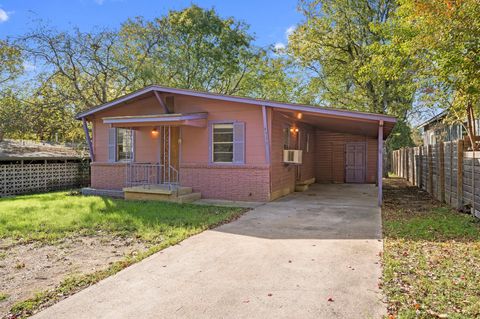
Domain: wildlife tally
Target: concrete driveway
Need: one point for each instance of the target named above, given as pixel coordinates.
(307, 255)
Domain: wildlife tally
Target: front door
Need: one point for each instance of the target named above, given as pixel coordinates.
(169, 154)
(355, 162)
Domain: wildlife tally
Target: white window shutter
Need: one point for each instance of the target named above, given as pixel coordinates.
(239, 143)
(112, 144)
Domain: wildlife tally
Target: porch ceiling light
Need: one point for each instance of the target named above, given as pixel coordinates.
(299, 116)
(154, 131)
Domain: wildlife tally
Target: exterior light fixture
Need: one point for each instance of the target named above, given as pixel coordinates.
(154, 131)
(299, 116)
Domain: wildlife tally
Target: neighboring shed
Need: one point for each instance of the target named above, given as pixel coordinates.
(29, 166)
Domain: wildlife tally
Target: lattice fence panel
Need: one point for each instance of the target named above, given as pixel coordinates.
(29, 178)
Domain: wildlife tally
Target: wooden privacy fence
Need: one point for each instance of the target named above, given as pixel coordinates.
(444, 170)
(22, 177)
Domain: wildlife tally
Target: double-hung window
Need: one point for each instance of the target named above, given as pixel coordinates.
(120, 145)
(222, 143)
(228, 143)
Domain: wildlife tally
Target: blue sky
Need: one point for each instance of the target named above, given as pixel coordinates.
(269, 20)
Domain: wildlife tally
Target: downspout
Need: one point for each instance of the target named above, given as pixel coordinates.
(89, 141)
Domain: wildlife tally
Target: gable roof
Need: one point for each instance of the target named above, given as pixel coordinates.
(440, 116)
(246, 100)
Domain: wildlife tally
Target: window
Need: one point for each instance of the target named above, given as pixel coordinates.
(222, 141)
(124, 144)
(286, 138)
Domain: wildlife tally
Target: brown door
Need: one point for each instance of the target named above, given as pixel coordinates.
(355, 162)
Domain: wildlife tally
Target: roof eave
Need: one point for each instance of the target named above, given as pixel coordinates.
(301, 108)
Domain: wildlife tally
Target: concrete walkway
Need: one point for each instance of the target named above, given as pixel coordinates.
(284, 259)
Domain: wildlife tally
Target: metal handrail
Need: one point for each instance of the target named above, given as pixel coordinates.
(144, 174)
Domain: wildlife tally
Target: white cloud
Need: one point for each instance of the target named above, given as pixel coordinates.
(290, 30)
(4, 16)
(279, 46)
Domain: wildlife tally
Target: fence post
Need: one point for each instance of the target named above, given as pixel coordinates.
(420, 167)
(459, 174)
(430, 170)
(401, 162)
(441, 169)
(412, 164)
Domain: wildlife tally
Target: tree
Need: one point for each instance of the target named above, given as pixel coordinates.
(444, 37)
(11, 66)
(345, 46)
(10, 62)
(82, 67)
(193, 48)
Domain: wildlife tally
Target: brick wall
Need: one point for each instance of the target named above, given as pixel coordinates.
(108, 175)
(284, 176)
(240, 182)
(330, 156)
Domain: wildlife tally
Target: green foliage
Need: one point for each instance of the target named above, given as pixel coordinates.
(10, 62)
(192, 48)
(3, 296)
(345, 47)
(443, 38)
(401, 136)
(51, 216)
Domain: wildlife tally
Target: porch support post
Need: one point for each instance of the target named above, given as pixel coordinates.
(380, 162)
(89, 141)
(266, 134)
(161, 102)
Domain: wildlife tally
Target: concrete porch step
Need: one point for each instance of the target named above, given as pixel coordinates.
(188, 198)
(178, 194)
(302, 186)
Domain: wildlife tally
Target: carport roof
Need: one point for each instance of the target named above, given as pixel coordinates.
(313, 111)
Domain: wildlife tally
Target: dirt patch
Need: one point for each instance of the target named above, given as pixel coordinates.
(398, 193)
(26, 269)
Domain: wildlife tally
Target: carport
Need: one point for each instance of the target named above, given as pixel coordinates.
(339, 147)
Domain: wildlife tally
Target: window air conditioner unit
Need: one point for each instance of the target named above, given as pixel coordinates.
(292, 156)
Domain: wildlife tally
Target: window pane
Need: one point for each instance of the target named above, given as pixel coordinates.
(124, 144)
(223, 157)
(224, 137)
(227, 147)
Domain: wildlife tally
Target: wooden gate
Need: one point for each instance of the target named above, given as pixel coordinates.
(355, 154)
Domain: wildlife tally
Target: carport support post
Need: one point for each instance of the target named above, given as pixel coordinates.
(380, 162)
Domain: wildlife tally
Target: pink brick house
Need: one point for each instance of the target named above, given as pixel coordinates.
(228, 147)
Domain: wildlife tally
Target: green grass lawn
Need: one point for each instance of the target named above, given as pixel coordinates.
(431, 256)
(48, 218)
(51, 216)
